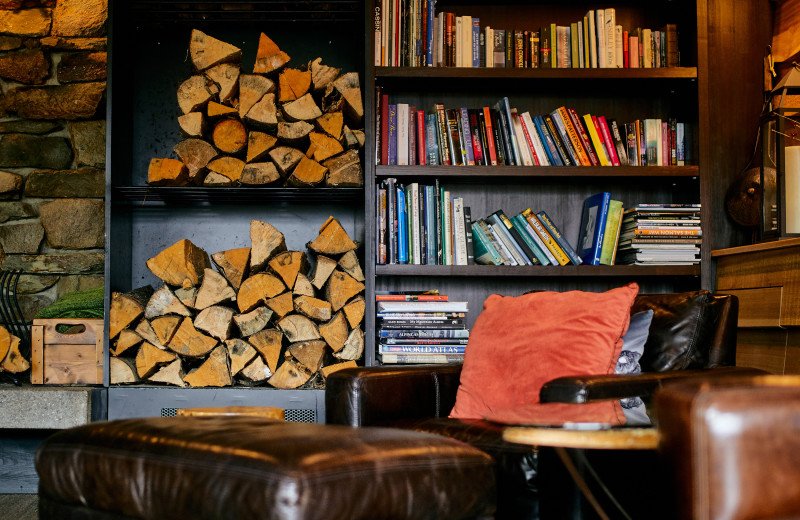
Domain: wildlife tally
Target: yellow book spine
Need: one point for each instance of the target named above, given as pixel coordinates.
(598, 144)
(551, 244)
(572, 133)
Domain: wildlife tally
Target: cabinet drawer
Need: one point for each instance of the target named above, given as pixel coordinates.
(759, 307)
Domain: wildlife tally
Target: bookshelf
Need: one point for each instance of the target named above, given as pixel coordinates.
(722, 119)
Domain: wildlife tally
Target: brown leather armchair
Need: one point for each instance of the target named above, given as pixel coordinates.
(692, 335)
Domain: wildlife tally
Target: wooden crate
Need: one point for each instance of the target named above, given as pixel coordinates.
(66, 358)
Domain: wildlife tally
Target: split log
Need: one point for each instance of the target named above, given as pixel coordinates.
(165, 327)
(233, 264)
(290, 375)
(350, 264)
(302, 286)
(193, 94)
(265, 242)
(259, 174)
(226, 77)
(172, 374)
(192, 124)
(282, 304)
(216, 321)
(350, 89)
(301, 109)
(167, 172)
(263, 114)
(285, 158)
(268, 343)
(215, 371)
(240, 354)
(340, 288)
(228, 166)
(294, 133)
(163, 302)
(353, 347)
(257, 289)
(258, 144)
(253, 321)
(213, 290)
(335, 331)
(322, 271)
(14, 361)
(332, 239)
(195, 154)
(353, 139)
(229, 136)
(216, 110)
(257, 371)
(308, 173)
(127, 339)
(325, 146)
(308, 353)
(180, 264)
(331, 124)
(330, 369)
(5, 342)
(145, 330)
(216, 179)
(188, 341)
(121, 371)
(150, 358)
(298, 328)
(354, 311)
(269, 57)
(288, 265)
(187, 296)
(127, 307)
(322, 75)
(345, 171)
(292, 84)
(205, 51)
(332, 100)
(314, 308)
(251, 89)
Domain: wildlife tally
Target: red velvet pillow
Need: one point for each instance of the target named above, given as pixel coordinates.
(519, 343)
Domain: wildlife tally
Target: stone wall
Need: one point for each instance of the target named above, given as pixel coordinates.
(52, 145)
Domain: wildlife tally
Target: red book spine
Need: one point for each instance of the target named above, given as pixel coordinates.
(421, 155)
(525, 131)
(487, 116)
(587, 144)
(384, 129)
(625, 57)
(612, 150)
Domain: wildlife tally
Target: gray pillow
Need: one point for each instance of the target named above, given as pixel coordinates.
(628, 363)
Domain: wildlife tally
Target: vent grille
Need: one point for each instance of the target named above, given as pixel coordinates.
(306, 416)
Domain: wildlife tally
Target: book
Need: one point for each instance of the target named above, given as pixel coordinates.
(459, 233)
(422, 153)
(443, 133)
(466, 132)
(566, 158)
(500, 246)
(620, 144)
(583, 136)
(421, 349)
(381, 249)
(556, 234)
(611, 235)
(419, 334)
(413, 359)
(457, 154)
(526, 151)
(392, 135)
(610, 41)
(412, 196)
(431, 140)
(498, 221)
(528, 252)
(597, 142)
(593, 221)
(468, 235)
(402, 226)
(402, 134)
(391, 219)
(431, 242)
(499, 48)
(423, 341)
(573, 136)
(559, 254)
(483, 250)
(412, 135)
(475, 132)
(488, 134)
(545, 40)
(566, 141)
(563, 45)
(504, 107)
(533, 139)
(605, 134)
(547, 140)
(533, 241)
(600, 27)
(411, 297)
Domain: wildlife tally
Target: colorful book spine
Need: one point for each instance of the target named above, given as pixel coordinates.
(584, 137)
(483, 250)
(551, 244)
(467, 133)
(547, 141)
(402, 226)
(593, 221)
(608, 140)
(572, 134)
(392, 135)
(422, 154)
(419, 334)
(556, 234)
(611, 237)
(488, 134)
(533, 242)
(441, 123)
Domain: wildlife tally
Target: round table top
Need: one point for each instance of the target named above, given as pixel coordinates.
(627, 438)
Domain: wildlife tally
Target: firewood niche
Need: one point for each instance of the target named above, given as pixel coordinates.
(265, 316)
(279, 126)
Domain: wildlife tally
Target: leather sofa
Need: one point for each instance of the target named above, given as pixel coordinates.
(692, 335)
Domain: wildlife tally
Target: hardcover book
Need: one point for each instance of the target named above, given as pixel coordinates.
(593, 221)
(533, 242)
(608, 250)
(483, 250)
(551, 244)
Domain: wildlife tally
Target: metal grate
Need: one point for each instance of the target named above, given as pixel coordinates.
(169, 412)
(308, 416)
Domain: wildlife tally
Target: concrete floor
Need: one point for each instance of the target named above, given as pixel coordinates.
(19, 507)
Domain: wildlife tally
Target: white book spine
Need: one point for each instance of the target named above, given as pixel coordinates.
(611, 45)
(448, 229)
(402, 134)
(618, 42)
(457, 40)
(460, 232)
(439, 39)
(502, 241)
(590, 16)
(540, 243)
(524, 150)
(488, 47)
(600, 25)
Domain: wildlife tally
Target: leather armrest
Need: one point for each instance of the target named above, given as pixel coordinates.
(366, 396)
(583, 389)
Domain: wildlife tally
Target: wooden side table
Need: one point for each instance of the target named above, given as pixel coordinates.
(603, 439)
(269, 412)
(766, 278)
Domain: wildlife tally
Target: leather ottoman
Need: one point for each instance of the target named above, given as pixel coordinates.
(249, 467)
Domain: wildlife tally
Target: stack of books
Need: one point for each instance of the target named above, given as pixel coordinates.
(420, 328)
(661, 234)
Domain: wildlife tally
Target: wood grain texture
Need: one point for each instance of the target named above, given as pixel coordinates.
(611, 439)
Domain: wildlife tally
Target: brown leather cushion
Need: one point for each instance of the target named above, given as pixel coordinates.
(246, 467)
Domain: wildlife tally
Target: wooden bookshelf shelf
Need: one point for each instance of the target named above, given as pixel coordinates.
(193, 195)
(537, 171)
(421, 73)
(564, 271)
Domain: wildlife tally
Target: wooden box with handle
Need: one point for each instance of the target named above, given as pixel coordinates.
(67, 351)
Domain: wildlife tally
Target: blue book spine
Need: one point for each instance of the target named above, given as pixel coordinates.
(593, 223)
(430, 223)
(547, 140)
(402, 226)
(467, 136)
(430, 43)
(562, 131)
(431, 139)
(476, 42)
(392, 134)
(505, 107)
(681, 154)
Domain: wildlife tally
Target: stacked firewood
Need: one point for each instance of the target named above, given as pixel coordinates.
(278, 126)
(266, 315)
(11, 359)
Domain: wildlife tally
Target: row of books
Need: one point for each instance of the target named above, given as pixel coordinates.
(423, 327)
(410, 33)
(500, 135)
(421, 224)
(670, 235)
(646, 234)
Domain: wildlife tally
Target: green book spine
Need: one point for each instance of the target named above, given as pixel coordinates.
(540, 255)
(483, 250)
(611, 236)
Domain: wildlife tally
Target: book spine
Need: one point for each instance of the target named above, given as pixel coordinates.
(583, 136)
(382, 257)
(402, 226)
(441, 119)
(402, 359)
(392, 135)
(391, 219)
(547, 140)
(476, 42)
(488, 135)
(619, 143)
(431, 140)
(447, 230)
(502, 252)
(422, 349)
(454, 137)
(609, 142)
(539, 157)
(423, 341)
(680, 154)
(465, 126)
(384, 129)
(527, 252)
(499, 54)
(412, 135)
(475, 131)
(600, 27)
(548, 255)
(483, 250)
(498, 221)
(551, 244)
(468, 235)
(422, 154)
(558, 237)
(611, 236)
(572, 134)
(520, 224)
(558, 139)
(459, 232)
(596, 141)
(415, 223)
(526, 151)
(420, 334)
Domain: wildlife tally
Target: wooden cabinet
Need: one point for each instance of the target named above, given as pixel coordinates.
(766, 278)
(687, 93)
